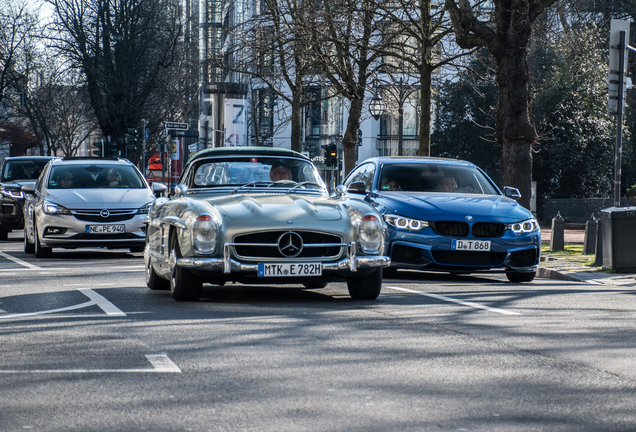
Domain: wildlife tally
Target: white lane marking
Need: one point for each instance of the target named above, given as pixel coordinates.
(452, 300)
(47, 271)
(103, 304)
(19, 261)
(160, 364)
(96, 299)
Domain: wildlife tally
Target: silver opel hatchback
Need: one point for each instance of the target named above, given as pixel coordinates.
(87, 202)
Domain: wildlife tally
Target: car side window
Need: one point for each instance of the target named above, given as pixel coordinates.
(363, 173)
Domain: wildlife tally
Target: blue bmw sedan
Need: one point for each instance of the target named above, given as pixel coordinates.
(447, 215)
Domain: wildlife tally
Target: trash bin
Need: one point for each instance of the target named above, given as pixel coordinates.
(619, 238)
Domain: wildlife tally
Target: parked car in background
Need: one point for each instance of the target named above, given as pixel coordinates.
(447, 215)
(87, 202)
(260, 215)
(14, 173)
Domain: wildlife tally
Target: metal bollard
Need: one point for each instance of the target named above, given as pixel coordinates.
(557, 239)
(589, 244)
(598, 258)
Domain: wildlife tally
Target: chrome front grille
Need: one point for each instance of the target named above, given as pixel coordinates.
(118, 215)
(266, 245)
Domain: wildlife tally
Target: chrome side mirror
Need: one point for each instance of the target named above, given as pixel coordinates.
(180, 190)
(159, 189)
(340, 190)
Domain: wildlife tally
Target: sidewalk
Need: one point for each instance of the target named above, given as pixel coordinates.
(573, 267)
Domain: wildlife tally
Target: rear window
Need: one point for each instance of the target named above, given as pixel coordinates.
(94, 176)
(22, 170)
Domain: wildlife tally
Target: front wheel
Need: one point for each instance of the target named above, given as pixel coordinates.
(153, 280)
(4, 234)
(40, 251)
(29, 247)
(366, 287)
(184, 286)
(521, 276)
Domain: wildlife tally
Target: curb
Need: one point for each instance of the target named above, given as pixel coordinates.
(546, 273)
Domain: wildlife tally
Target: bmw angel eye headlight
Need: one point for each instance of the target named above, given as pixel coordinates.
(405, 223)
(370, 234)
(524, 227)
(15, 194)
(54, 209)
(204, 234)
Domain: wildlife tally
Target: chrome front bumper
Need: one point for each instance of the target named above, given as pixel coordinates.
(228, 265)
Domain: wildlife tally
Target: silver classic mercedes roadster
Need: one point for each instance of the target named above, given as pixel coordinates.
(259, 215)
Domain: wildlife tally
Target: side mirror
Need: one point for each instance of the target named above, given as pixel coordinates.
(28, 189)
(340, 190)
(511, 192)
(180, 190)
(357, 188)
(158, 189)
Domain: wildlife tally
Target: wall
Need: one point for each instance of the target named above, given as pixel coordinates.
(576, 210)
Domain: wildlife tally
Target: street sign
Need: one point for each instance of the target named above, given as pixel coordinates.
(174, 125)
(147, 135)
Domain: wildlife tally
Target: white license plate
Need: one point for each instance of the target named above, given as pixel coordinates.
(105, 229)
(289, 270)
(471, 245)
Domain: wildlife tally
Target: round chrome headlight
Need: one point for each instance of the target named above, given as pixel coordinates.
(370, 234)
(204, 234)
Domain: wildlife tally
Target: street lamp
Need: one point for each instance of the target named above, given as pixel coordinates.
(400, 92)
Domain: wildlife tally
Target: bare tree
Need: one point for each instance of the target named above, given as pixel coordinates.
(17, 35)
(121, 47)
(422, 47)
(505, 31)
(349, 41)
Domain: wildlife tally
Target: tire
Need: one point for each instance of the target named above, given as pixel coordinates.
(521, 276)
(153, 280)
(389, 272)
(29, 248)
(184, 286)
(40, 251)
(366, 287)
(315, 284)
(4, 234)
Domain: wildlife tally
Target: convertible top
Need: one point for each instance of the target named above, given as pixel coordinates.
(241, 151)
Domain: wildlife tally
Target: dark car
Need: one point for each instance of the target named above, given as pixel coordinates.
(15, 173)
(447, 215)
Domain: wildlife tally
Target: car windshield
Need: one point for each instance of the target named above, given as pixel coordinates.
(442, 178)
(87, 176)
(22, 170)
(254, 171)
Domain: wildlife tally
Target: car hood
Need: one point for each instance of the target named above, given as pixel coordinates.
(278, 207)
(428, 206)
(17, 184)
(100, 198)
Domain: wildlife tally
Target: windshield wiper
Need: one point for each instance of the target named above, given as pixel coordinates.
(303, 184)
(251, 184)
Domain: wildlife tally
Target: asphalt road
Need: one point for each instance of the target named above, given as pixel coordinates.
(85, 346)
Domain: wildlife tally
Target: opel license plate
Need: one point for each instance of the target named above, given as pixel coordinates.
(471, 245)
(289, 270)
(105, 229)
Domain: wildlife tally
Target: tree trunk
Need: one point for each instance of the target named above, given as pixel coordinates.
(514, 131)
(350, 139)
(424, 148)
(296, 120)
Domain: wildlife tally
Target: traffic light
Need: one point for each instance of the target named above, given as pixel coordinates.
(99, 149)
(113, 151)
(133, 140)
(332, 156)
